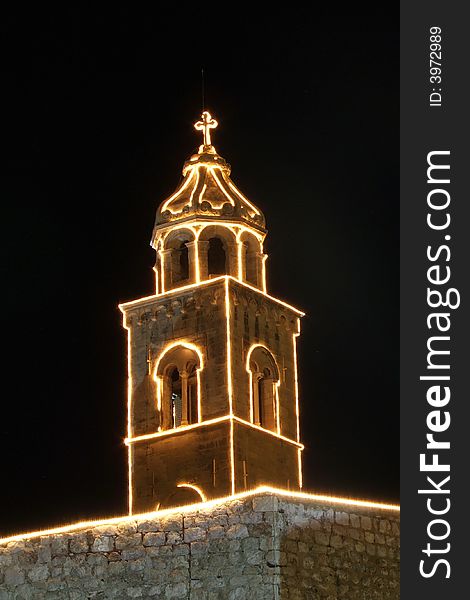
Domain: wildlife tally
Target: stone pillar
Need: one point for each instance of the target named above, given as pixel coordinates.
(243, 258)
(165, 257)
(192, 255)
(166, 417)
(232, 259)
(184, 397)
(260, 258)
(203, 250)
(268, 407)
(256, 398)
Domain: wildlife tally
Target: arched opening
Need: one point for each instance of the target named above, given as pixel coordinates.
(216, 257)
(181, 496)
(251, 259)
(264, 380)
(178, 372)
(217, 249)
(178, 268)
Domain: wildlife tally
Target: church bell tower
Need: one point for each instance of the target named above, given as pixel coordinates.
(213, 407)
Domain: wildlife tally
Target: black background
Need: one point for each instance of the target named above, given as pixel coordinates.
(99, 113)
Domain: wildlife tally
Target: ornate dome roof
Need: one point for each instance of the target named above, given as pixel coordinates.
(207, 191)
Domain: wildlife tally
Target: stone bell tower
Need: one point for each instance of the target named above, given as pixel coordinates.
(213, 406)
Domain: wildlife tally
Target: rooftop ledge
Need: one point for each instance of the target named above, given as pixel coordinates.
(266, 491)
(148, 299)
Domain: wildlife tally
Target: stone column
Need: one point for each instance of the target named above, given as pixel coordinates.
(268, 408)
(232, 259)
(256, 398)
(203, 250)
(166, 417)
(184, 397)
(260, 257)
(165, 283)
(191, 246)
(243, 258)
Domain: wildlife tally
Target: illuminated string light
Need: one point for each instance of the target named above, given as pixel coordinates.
(250, 375)
(194, 188)
(205, 126)
(242, 197)
(124, 306)
(158, 379)
(296, 381)
(209, 504)
(165, 205)
(195, 488)
(129, 416)
(180, 429)
(268, 431)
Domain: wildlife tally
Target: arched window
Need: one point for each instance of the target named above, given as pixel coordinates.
(178, 387)
(177, 267)
(216, 257)
(251, 259)
(264, 377)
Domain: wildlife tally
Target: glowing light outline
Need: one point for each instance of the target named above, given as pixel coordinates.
(263, 271)
(166, 432)
(205, 126)
(194, 189)
(242, 197)
(260, 240)
(201, 195)
(158, 379)
(201, 506)
(195, 488)
(129, 417)
(269, 431)
(229, 383)
(182, 428)
(220, 187)
(176, 194)
(124, 306)
(277, 383)
(197, 228)
(296, 380)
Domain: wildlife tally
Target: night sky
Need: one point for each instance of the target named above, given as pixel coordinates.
(99, 120)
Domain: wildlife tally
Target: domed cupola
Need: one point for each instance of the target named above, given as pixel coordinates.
(207, 217)
(206, 190)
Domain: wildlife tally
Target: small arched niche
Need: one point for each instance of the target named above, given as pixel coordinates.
(251, 259)
(264, 380)
(177, 374)
(178, 259)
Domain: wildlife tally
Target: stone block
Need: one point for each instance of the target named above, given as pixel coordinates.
(265, 504)
(102, 543)
(154, 539)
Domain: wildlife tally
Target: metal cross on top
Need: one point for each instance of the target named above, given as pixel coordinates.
(206, 125)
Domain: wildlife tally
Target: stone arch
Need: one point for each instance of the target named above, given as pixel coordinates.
(217, 251)
(251, 259)
(177, 373)
(178, 261)
(264, 382)
(181, 496)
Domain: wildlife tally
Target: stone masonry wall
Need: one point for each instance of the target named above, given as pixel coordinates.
(265, 546)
